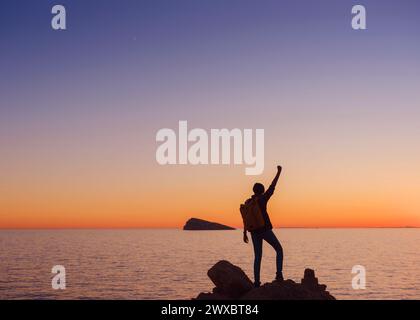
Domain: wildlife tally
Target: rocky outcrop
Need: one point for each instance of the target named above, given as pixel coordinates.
(229, 279)
(199, 224)
(232, 283)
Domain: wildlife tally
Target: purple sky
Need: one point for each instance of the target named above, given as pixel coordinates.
(95, 94)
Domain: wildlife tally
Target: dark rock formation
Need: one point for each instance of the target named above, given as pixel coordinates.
(232, 283)
(199, 224)
(229, 279)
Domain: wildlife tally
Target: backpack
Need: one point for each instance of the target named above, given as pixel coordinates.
(251, 215)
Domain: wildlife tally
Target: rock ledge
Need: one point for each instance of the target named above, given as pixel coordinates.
(232, 283)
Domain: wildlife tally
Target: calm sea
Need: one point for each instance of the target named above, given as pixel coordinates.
(172, 264)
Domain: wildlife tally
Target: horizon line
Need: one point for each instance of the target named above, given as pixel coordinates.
(181, 228)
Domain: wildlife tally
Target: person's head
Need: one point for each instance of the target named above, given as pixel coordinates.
(258, 189)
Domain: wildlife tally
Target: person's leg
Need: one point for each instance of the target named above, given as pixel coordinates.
(271, 238)
(257, 243)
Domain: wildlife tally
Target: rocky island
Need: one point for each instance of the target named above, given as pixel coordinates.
(199, 224)
(232, 283)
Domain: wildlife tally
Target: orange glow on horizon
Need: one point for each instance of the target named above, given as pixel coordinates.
(309, 194)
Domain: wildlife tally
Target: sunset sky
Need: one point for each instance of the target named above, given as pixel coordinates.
(80, 109)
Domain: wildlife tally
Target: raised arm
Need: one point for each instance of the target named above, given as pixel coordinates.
(270, 190)
(276, 178)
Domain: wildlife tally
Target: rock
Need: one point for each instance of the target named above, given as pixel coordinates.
(229, 279)
(212, 296)
(232, 283)
(309, 278)
(286, 290)
(311, 282)
(199, 224)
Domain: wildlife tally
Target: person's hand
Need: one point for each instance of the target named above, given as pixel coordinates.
(245, 238)
(279, 168)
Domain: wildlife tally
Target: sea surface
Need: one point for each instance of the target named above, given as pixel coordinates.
(172, 264)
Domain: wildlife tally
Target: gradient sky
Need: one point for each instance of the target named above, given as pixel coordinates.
(79, 111)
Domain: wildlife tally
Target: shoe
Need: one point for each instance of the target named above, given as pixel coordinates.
(279, 277)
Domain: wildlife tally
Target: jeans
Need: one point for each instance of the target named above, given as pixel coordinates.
(257, 241)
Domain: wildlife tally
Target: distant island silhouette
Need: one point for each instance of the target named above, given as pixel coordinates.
(200, 224)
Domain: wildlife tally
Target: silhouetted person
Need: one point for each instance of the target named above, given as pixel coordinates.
(266, 232)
